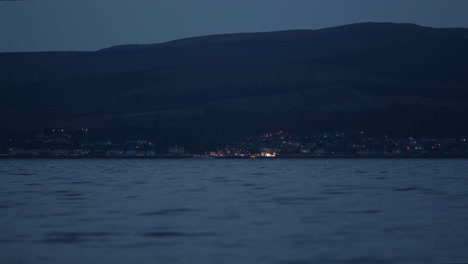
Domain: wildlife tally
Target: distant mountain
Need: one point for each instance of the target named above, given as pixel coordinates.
(383, 77)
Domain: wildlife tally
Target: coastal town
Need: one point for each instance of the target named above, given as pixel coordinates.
(279, 144)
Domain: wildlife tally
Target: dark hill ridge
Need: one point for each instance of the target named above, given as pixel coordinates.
(360, 30)
(392, 78)
(293, 45)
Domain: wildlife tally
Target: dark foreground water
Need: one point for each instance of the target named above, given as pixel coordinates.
(234, 211)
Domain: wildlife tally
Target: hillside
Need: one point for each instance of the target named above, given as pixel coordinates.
(383, 77)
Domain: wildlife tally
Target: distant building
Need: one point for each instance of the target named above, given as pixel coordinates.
(320, 151)
(305, 151)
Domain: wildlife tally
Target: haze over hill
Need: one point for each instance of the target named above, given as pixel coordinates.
(382, 77)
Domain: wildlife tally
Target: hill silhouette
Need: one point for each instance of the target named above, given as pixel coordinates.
(382, 77)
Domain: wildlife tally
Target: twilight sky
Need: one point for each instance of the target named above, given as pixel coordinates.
(44, 25)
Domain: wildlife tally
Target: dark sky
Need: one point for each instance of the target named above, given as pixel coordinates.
(40, 25)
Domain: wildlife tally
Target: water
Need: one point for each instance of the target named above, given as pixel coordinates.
(234, 211)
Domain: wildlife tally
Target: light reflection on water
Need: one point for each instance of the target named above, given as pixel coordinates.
(233, 211)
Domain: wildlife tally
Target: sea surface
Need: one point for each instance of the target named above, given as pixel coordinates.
(234, 211)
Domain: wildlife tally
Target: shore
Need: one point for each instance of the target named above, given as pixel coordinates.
(283, 156)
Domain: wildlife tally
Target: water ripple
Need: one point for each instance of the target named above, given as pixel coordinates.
(175, 234)
(73, 237)
(168, 211)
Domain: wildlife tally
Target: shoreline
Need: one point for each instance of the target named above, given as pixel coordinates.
(284, 156)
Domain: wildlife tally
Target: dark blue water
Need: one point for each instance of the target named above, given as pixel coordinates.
(234, 211)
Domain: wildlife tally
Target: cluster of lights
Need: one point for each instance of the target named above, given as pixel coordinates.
(63, 130)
